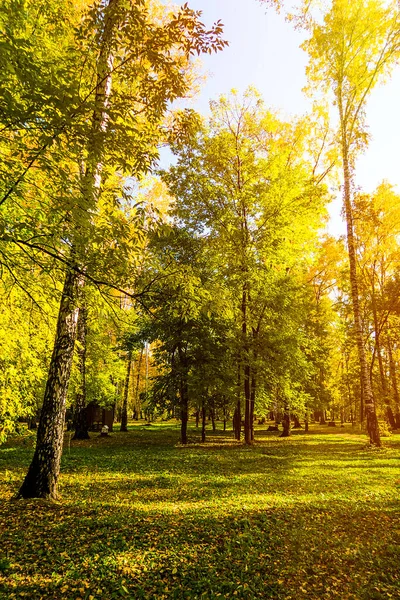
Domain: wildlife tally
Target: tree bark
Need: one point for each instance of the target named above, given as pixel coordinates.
(369, 402)
(393, 377)
(213, 416)
(384, 387)
(42, 477)
(137, 395)
(124, 411)
(297, 424)
(184, 409)
(203, 422)
(286, 421)
(252, 402)
(80, 418)
(237, 417)
(246, 371)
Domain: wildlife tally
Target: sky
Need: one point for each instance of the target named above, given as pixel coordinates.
(264, 52)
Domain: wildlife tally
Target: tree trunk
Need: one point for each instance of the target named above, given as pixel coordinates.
(306, 420)
(184, 409)
(297, 424)
(237, 417)
(393, 377)
(80, 418)
(384, 386)
(286, 422)
(213, 416)
(203, 422)
(137, 395)
(42, 477)
(252, 402)
(246, 371)
(369, 403)
(224, 412)
(124, 411)
(197, 418)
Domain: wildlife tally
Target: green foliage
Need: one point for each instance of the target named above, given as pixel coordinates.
(26, 334)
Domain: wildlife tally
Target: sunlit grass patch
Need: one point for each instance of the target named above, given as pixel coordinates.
(315, 516)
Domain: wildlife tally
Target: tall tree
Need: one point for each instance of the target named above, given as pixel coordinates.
(351, 50)
(140, 61)
(243, 186)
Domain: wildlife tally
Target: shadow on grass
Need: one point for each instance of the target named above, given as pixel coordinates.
(66, 551)
(144, 518)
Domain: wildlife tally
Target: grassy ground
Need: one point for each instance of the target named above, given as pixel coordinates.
(316, 516)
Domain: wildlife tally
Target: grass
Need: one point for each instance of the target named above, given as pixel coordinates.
(315, 516)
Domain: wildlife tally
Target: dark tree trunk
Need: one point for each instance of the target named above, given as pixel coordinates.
(247, 405)
(252, 402)
(197, 418)
(184, 393)
(246, 370)
(42, 477)
(237, 417)
(286, 422)
(137, 395)
(184, 410)
(203, 422)
(224, 412)
(296, 422)
(80, 419)
(213, 418)
(124, 410)
(393, 377)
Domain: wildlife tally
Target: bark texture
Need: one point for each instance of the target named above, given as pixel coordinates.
(42, 477)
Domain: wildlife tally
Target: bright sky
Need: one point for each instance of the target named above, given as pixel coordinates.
(264, 52)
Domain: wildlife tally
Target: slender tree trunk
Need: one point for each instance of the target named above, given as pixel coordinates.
(213, 416)
(246, 371)
(306, 420)
(124, 411)
(393, 377)
(137, 395)
(286, 421)
(203, 422)
(184, 409)
(369, 403)
(197, 418)
(252, 403)
(42, 477)
(384, 387)
(237, 417)
(80, 417)
(224, 412)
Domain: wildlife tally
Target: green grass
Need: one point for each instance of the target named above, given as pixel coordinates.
(316, 516)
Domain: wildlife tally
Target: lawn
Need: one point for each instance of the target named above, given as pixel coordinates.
(314, 516)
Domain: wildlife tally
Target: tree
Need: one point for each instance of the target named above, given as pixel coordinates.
(351, 51)
(140, 63)
(242, 186)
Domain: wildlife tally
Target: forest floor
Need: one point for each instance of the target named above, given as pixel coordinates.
(314, 516)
